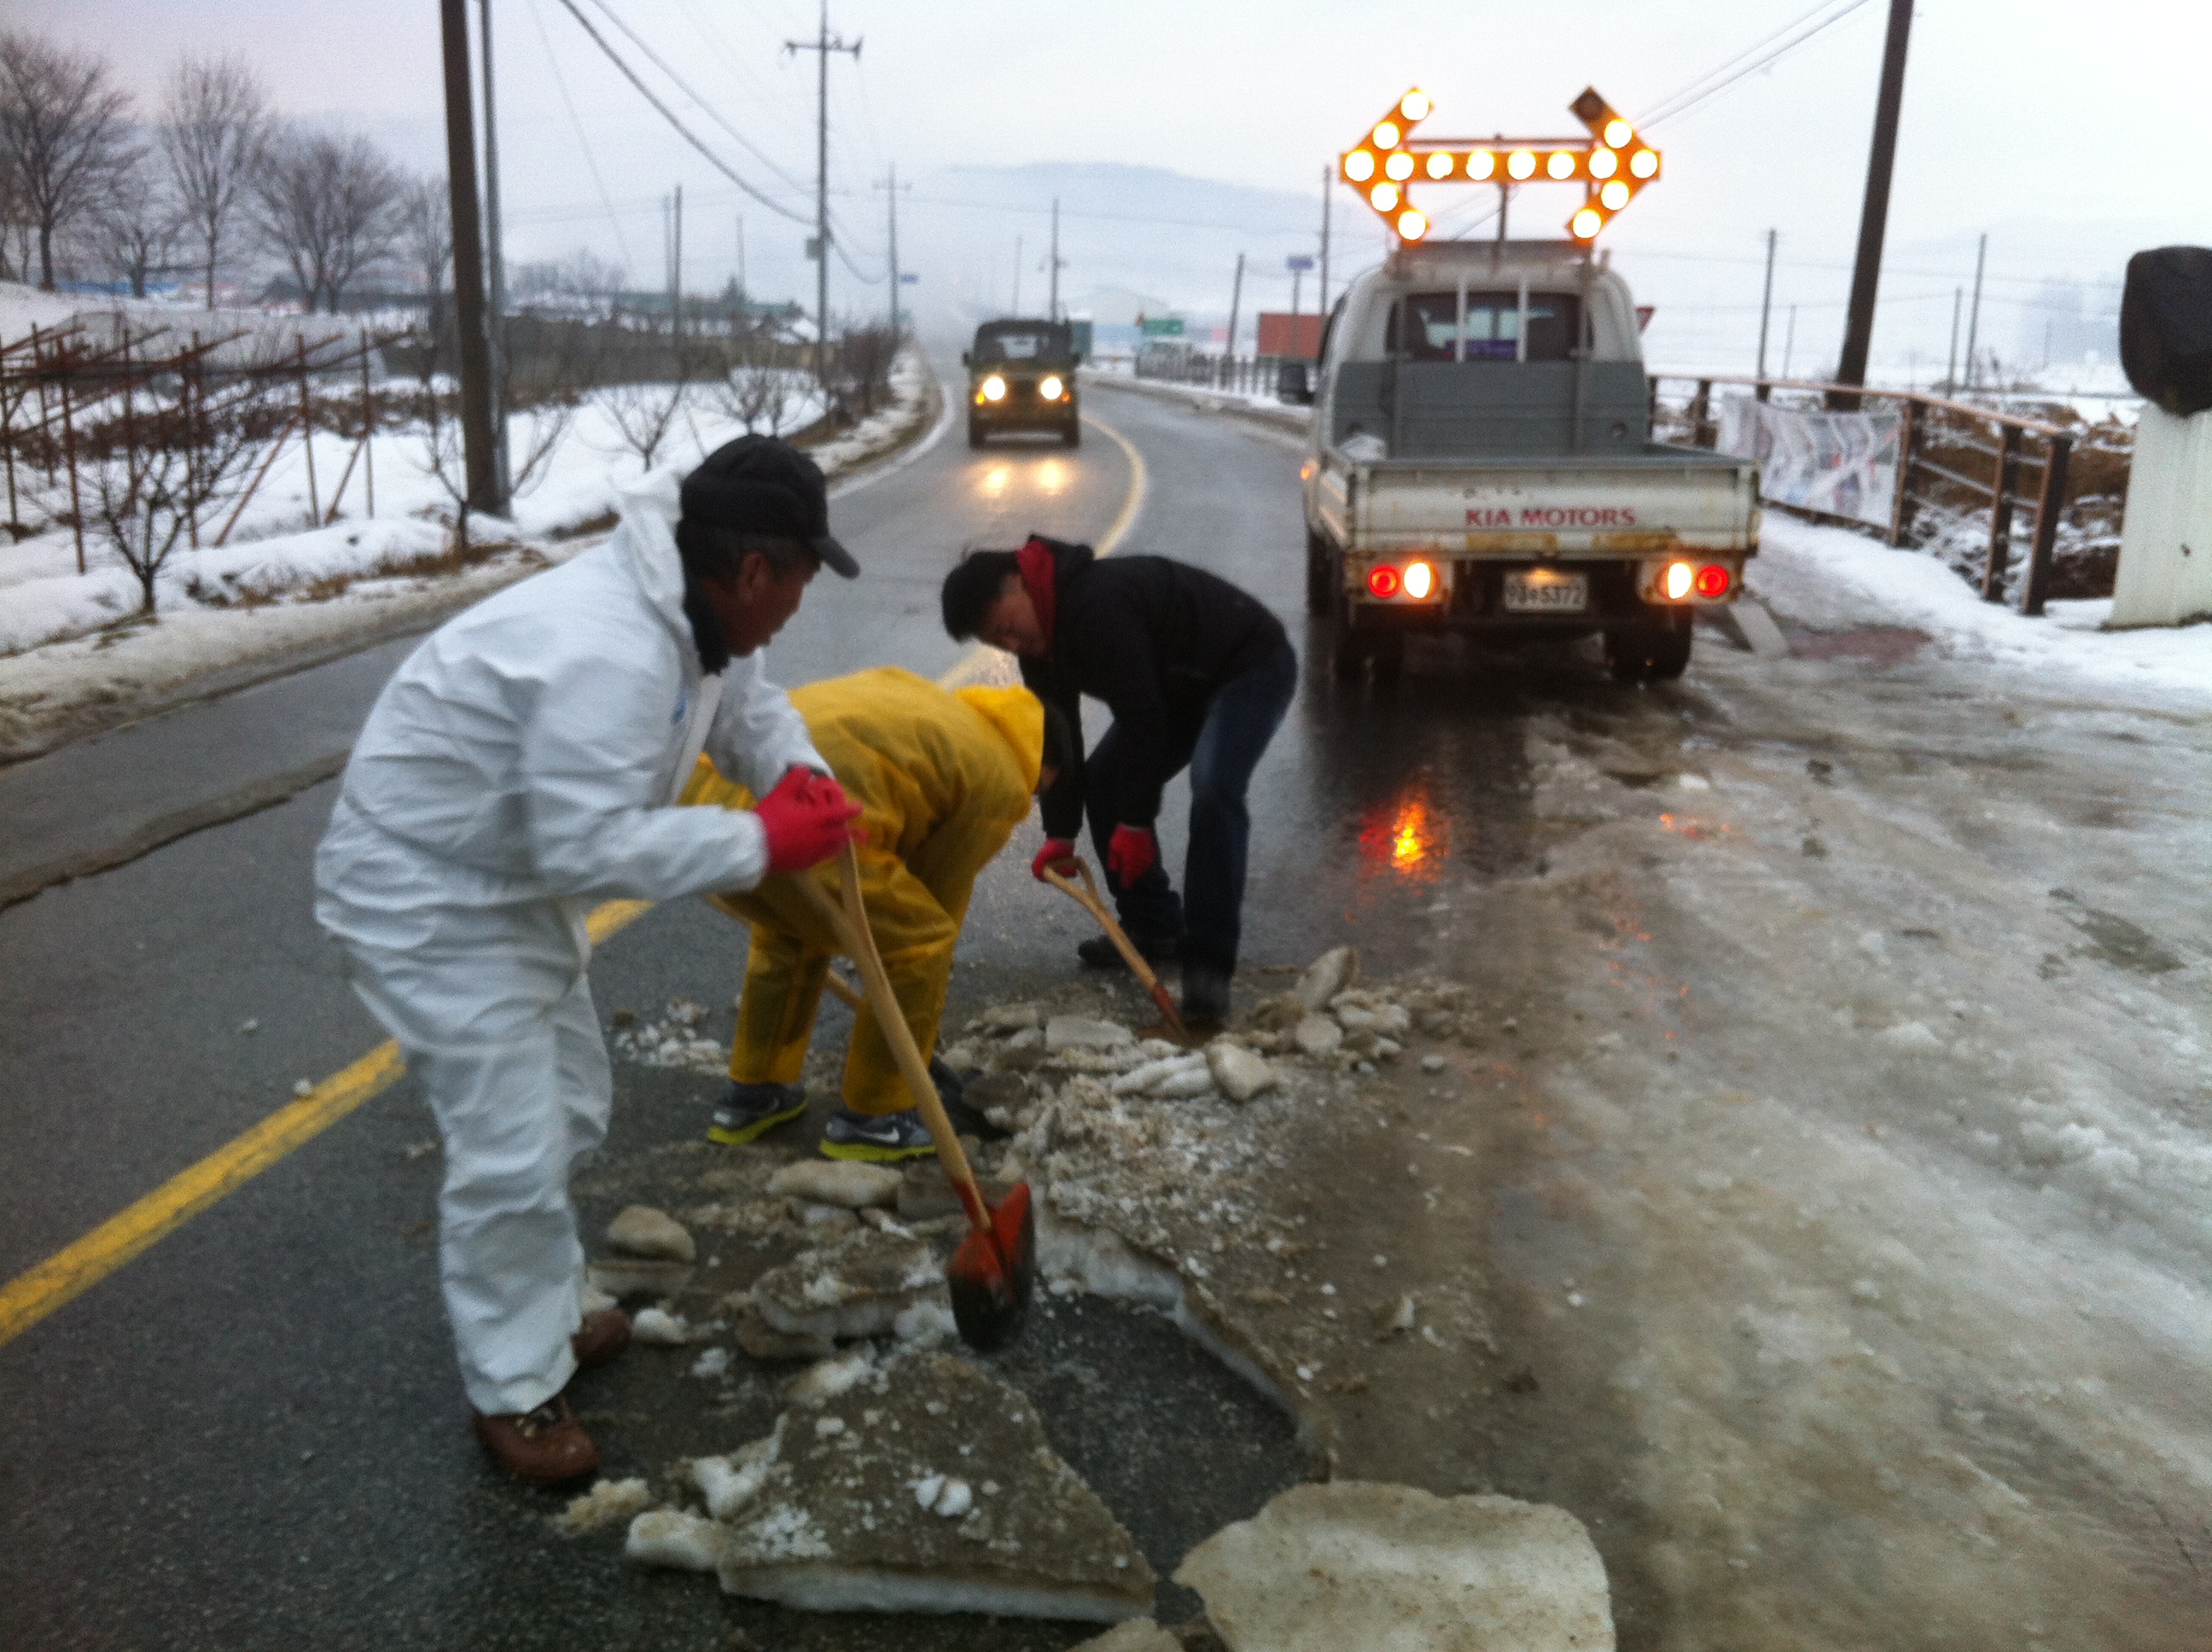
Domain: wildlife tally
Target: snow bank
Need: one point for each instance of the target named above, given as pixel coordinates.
(1830, 579)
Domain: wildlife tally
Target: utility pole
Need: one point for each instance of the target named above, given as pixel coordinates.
(1974, 315)
(1018, 276)
(1873, 220)
(822, 46)
(494, 244)
(1327, 184)
(1765, 305)
(676, 275)
(475, 348)
(741, 258)
(1051, 302)
(890, 187)
(1951, 368)
(1235, 299)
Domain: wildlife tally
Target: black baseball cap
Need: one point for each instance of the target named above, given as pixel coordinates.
(757, 484)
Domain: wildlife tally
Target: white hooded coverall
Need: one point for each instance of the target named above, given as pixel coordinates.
(517, 770)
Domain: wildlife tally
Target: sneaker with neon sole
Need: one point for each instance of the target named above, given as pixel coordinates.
(876, 1138)
(747, 1111)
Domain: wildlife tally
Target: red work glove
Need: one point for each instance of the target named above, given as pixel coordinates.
(1056, 853)
(807, 820)
(1130, 854)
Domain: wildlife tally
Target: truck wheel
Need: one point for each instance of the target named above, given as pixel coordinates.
(1070, 433)
(1656, 651)
(1318, 591)
(1387, 650)
(1339, 640)
(975, 433)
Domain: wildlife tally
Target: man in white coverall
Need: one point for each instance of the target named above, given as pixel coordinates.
(519, 769)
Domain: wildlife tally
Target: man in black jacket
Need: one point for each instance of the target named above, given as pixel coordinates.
(1198, 675)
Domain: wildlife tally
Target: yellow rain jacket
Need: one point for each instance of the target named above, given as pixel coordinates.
(942, 778)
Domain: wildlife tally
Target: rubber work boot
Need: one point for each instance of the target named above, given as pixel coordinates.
(1204, 997)
(604, 1333)
(877, 1139)
(543, 1446)
(748, 1110)
(966, 1121)
(1099, 952)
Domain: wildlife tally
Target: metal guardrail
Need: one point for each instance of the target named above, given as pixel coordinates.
(1938, 440)
(1248, 373)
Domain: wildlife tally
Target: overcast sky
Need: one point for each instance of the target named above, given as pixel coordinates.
(2076, 131)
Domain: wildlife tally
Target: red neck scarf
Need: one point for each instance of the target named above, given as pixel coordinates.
(1035, 561)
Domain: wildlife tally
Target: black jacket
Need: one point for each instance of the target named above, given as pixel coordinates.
(1154, 639)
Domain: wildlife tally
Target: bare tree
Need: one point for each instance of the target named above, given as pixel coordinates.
(861, 372)
(215, 124)
(757, 389)
(137, 228)
(643, 414)
(65, 133)
(178, 450)
(426, 236)
(330, 208)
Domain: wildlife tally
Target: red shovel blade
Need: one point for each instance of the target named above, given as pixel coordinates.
(993, 1274)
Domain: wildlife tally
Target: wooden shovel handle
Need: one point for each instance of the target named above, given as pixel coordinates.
(1088, 899)
(850, 925)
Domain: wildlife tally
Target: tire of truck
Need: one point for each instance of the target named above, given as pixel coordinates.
(975, 433)
(1318, 591)
(1655, 650)
(1340, 642)
(1386, 651)
(1070, 433)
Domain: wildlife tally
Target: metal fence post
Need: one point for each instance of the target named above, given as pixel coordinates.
(2007, 478)
(307, 434)
(2048, 510)
(68, 446)
(1700, 410)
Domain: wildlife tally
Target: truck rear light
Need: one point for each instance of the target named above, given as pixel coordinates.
(1420, 580)
(1382, 581)
(1712, 580)
(1677, 580)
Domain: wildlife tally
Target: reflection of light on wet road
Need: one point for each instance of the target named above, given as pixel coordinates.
(996, 480)
(1051, 477)
(1406, 836)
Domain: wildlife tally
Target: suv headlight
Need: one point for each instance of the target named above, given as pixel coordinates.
(995, 389)
(1049, 387)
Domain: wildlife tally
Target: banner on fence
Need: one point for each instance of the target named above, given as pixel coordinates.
(1839, 464)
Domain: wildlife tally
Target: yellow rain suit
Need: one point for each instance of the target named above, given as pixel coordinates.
(942, 778)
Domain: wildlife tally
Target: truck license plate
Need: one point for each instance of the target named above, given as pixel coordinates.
(1541, 590)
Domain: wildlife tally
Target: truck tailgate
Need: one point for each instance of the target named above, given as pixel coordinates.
(1599, 507)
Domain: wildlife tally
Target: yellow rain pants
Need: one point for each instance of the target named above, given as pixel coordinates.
(943, 778)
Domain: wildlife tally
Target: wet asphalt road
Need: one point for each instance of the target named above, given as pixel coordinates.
(252, 1436)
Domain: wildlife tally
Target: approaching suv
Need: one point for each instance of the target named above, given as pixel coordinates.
(1021, 376)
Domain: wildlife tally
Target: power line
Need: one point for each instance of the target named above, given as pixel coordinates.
(590, 160)
(1680, 105)
(707, 108)
(669, 115)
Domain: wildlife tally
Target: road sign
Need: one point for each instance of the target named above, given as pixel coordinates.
(1166, 326)
(1612, 164)
(1298, 266)
(909, 281)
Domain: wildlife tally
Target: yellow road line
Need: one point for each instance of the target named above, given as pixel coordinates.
(31, 1296)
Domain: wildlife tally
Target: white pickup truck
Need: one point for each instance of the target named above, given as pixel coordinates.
(1481, 462)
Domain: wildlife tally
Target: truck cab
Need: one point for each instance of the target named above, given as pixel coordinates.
(1480, 461)
(1021, 377)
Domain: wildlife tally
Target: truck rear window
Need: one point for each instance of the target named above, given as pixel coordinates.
(1493, 327)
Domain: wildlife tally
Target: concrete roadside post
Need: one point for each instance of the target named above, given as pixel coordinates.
(2165, 576)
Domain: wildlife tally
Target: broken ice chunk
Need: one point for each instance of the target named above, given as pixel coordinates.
(1317, 1034)
(672, 1537)
(654, 1234)
(1076, 1032)
(836, 1181)
(954, 1500)
(712, 1364)
(607, 1502)
(659, 1327)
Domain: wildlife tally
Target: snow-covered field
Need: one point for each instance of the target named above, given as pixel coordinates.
(284, 586)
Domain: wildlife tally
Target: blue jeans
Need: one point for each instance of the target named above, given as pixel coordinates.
(1221, 746)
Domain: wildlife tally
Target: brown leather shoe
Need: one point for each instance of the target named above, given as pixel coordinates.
(543, 1446)
(603, 1335)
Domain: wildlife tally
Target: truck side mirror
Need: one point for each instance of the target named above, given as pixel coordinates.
(966, 360)
(1294, 384)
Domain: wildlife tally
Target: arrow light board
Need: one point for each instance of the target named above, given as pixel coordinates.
(1612, 164)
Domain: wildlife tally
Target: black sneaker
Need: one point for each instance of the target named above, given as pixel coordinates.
(746, 1111)
(1099, 952)
(1204, 996)
(876, 1138)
